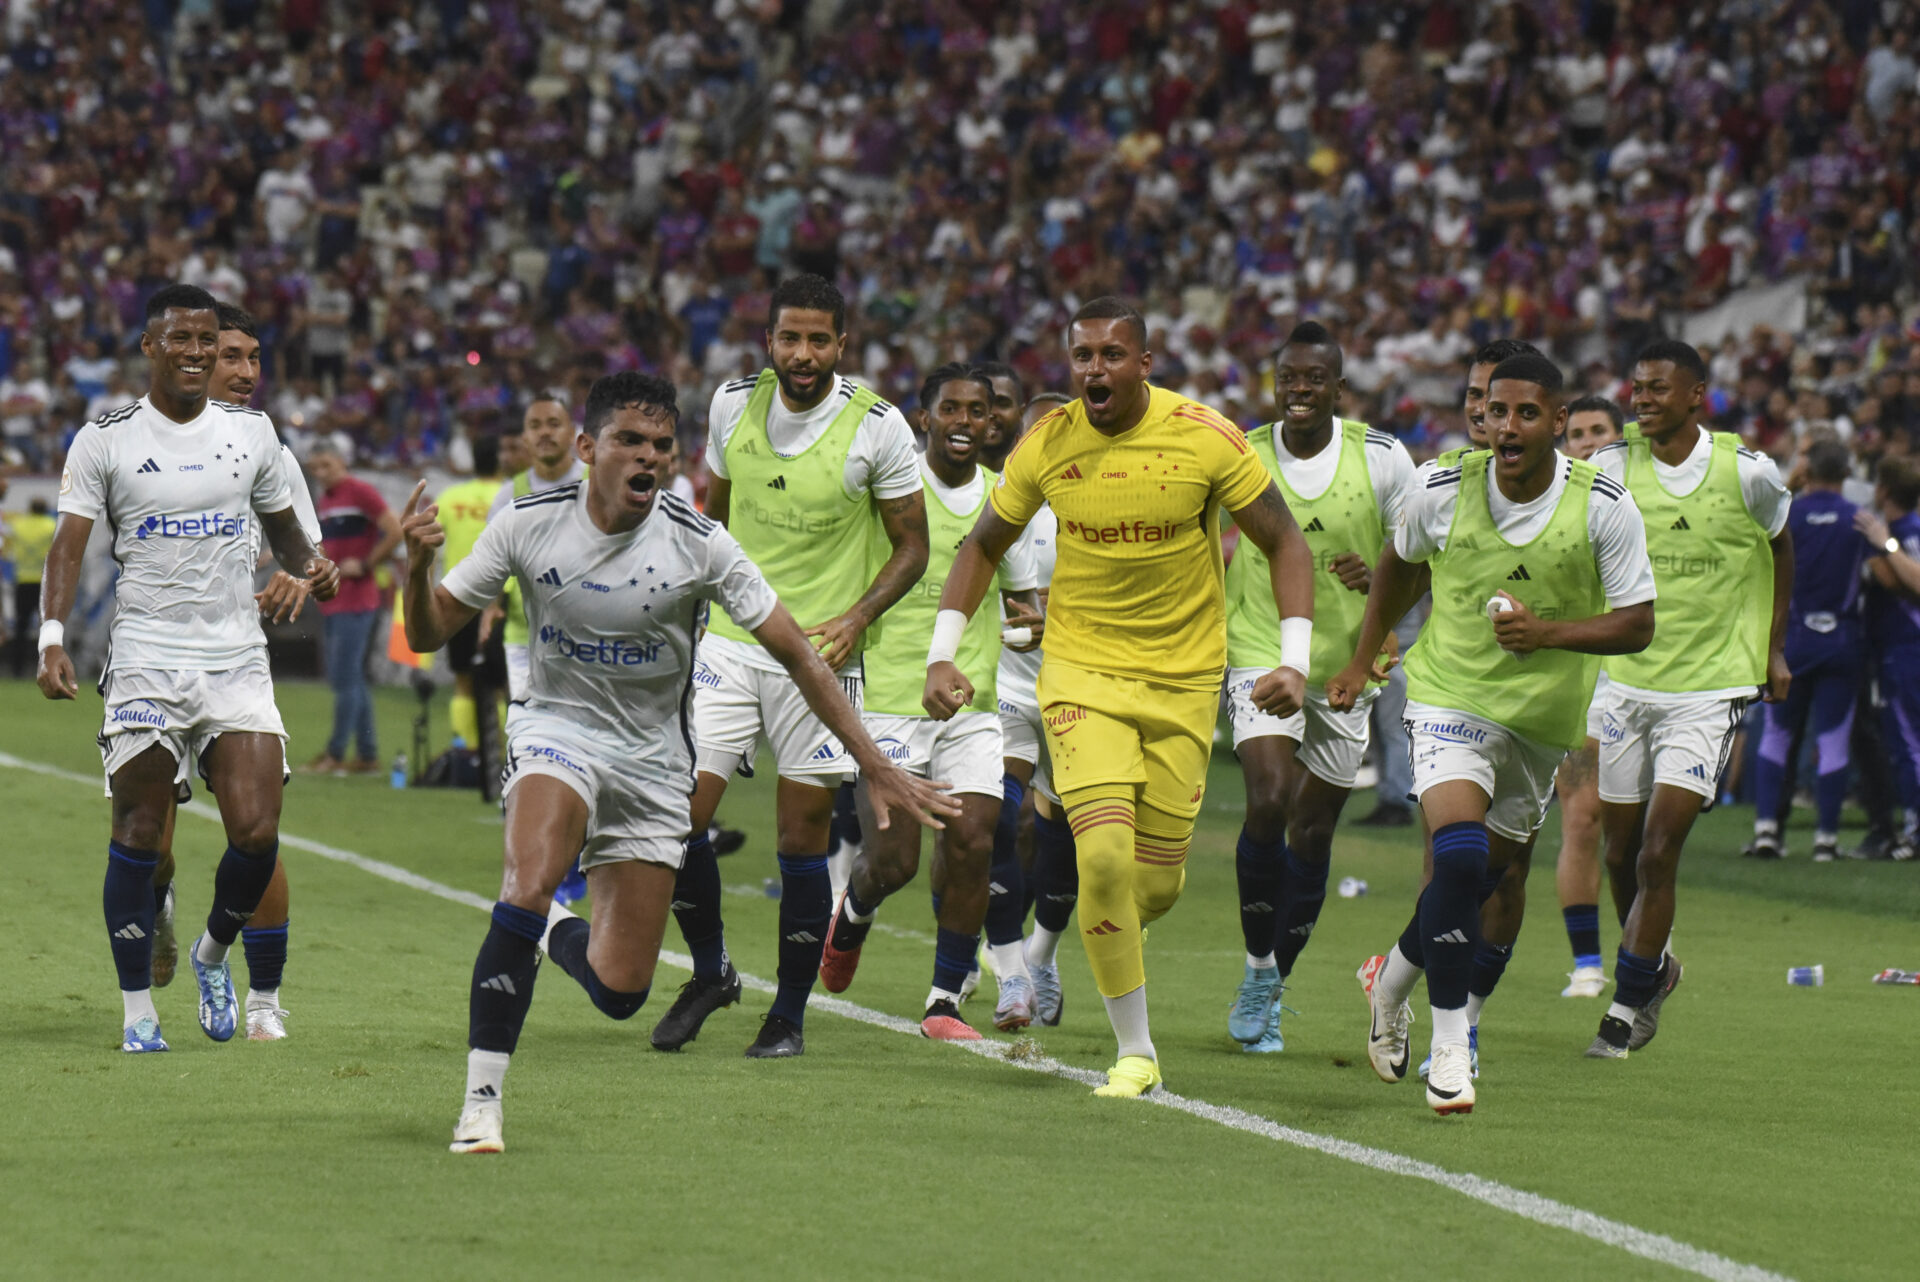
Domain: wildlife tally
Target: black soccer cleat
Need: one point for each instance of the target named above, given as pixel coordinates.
(779, 1039)
(1611, 1043)
(1765, 845)
(1646, 1022)
(698, 999)
(725, 840)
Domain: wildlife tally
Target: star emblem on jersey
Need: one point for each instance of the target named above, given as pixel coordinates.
(1680, 524)
(552, 578)
(1314, 527)
(149, 466)
(1519, 575)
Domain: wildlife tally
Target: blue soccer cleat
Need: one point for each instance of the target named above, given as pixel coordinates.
(572, 888)
(143, 1037)
(1473, 1053)
(217, 1007)
(1270, 1043)
(1258, 991)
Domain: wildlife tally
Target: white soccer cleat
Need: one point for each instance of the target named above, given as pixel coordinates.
(1386, 1031)
(266, 1024)
(479, 1130)
(1450, 1080)
(1585, 981)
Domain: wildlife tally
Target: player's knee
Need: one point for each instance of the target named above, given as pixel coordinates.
(616, 1003)
(1656, 866)
(1266, 818)
(1311, 837)
(256, 835)
(1156, 890)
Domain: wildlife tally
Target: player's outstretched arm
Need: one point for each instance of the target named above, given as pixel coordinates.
(905, 521)
(432, 613)
(974, 565)
(1397, 584)
(297, 555)
(888, 786)
(1269, 523)
(58, 584)
(1627, 630)
(1779, 676)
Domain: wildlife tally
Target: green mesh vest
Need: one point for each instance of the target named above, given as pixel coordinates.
(896, 659)
(1713, 567)
(794, 517)
(1344, 519)
(1458, 664)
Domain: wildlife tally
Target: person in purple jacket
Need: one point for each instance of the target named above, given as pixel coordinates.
(1893, 625)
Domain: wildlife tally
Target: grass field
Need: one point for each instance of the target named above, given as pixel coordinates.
(1770, 1130)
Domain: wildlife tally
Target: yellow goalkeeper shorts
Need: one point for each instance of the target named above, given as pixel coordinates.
(1106, 730)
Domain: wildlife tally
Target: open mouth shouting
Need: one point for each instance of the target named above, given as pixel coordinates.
(1098, 397)
(1509, 453)
(641, 487)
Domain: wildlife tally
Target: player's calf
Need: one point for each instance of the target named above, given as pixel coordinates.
(497, 1004)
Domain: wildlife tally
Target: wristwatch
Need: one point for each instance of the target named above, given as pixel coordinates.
(1892, 545)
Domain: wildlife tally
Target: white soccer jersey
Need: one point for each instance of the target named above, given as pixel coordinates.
(180, 500)
(302, 504)
(1019, 672)
(576, 471)
(613, 616)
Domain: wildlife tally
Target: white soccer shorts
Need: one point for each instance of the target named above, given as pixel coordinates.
(631, 813)
(184, 712)
(734, 704)
(1514, 771)
(519, 671)
(1597, 709)
(1026, 740)
(1331, 744)
(964, 752)
(1684, 742)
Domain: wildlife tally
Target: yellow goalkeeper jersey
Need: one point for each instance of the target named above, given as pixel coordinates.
(1138, 580)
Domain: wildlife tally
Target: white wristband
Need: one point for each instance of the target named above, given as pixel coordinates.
(52, 633)
(948, 627)
(1296, 644)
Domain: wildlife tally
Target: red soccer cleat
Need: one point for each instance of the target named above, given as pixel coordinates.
(837, 967)
(943, 1024)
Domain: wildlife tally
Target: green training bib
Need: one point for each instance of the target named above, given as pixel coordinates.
(896, 659)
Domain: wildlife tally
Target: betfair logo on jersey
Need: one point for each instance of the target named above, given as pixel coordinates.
(1684, 565)
(203, 525)
(1135, 532)
(789, 519)
(615, 652)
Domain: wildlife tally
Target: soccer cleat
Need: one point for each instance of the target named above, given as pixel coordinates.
(1473, 1050)
(1252, 1001)
(216, 996)
(1902, 851)
(838, 964)
(779, 1039)
(1015, 1007)
(942, 1023)
(725, 840)
(1585, 981)
(166, 945)
(1826, 851)
(698, 999)
(1765, 845)
(1132, 1077)
(1270, 1043)
(1386, 1033)
(479, 1130)
(572, 888)
(1048, 1000)
(266, 1024)
(1646, 1020)
(143, 1036)
(1611, 1041)
(1450, 1084)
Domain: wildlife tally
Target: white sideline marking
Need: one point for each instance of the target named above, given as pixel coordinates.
(1657, 1247)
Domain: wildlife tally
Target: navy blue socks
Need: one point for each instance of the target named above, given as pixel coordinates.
(1261, 873)
(1583, 932)
(806, 910)
(266, 950)
(953, 955)
(696, 908)
(1305, 893)
(503, 975)
(1006, 885)
(1056, 874)
(1450, 912)
(567, 945)
(127, 899)
(238, 883)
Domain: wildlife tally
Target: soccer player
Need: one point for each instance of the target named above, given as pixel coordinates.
(1344, 484)
(1538, 564)
(1593, 423)
(479, 667)
(1006, 415)
(819, 480)
(546, 436)
(1136, 636)
(1716, 528)
(1824, 653)
(180, 480)
(1892, 527)
(616, 573)
(964, 750)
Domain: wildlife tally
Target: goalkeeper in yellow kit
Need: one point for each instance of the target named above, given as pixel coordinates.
(1136, 639)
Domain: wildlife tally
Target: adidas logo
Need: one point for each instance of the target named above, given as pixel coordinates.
(803, 937)
(825, 752)
(1314, 527)
(1073, 473)
(131, 930)
(1104, 928)
(484, 1092)
(1455, 936)
(1302, 931)
(995, 888)
(149, 466)
(501, 983)
(552, 578)
(1680, 524)
(1697, 771)
(777, 483)
(1257, 906)
(679, 905)
(1519, 575)
(1062, 899)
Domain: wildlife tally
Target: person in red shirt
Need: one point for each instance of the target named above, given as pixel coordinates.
(358, 533)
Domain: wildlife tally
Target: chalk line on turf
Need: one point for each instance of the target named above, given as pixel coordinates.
(1657, 1247)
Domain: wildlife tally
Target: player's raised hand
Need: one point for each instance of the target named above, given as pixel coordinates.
(420, 527)
(836, 638)
(891, 788)
(280, 601)
(1280, 693)
(1022, 615)
(55, 676)
(946, 692)
(1353, 571)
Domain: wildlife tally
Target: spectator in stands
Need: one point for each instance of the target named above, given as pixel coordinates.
(358, 533)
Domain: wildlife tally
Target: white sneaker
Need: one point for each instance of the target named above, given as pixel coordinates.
(1585, 981)
(266, 1023)
(1386, 1031)
(1450, 1080)
(478, 1131)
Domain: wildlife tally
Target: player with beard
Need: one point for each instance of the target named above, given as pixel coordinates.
(1344, 483)
(964, 749)
(814, 475)
(181, 479)
(1538, 564)
(616, 574)
(1006, 414)
(1136, 636)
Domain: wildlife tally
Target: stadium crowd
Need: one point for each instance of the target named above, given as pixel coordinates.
(434, 208)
